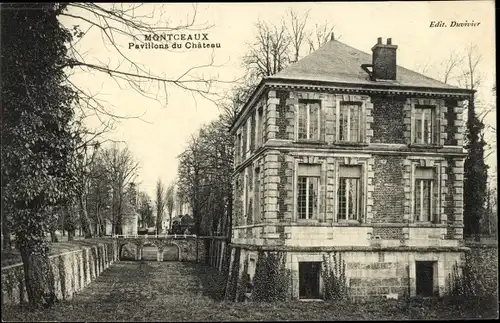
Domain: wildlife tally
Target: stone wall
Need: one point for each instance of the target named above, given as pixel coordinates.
(370, 274)
(484, 258)
(72, 271)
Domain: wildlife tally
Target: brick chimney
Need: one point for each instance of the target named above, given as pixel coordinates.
(384, 60)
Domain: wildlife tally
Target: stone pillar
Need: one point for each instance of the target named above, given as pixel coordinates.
(271, 115)
(407, 176)
(271, 181)
(138, 253)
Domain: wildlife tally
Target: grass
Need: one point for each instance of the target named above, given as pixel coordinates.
(180, 291)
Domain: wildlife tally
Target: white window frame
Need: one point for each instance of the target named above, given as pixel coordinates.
(245, 194)
(249, 135)
(361, 128)
(361, 194)
(296, 194)
(433, 120)
(256, 189)
(308, 103)
(434, 217)
(258, 129)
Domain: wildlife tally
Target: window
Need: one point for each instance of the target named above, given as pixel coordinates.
(239, 148)
(349, 193)
(349, 124)
(258, 129)
(424, 129)
(424, 189)
(249, 135)
(308, 120)
(245, 194)
(257, 196)
(307, 190)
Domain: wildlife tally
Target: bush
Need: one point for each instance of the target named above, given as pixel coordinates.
(272, 279)
(335, 282)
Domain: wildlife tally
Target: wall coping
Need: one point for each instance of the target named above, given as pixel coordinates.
(56, 255)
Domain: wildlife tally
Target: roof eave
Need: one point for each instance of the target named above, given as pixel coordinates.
(437, 90)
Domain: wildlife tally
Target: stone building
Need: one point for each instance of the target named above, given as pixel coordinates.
(347, 152)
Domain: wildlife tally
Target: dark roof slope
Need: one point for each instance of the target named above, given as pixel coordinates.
(338, 62)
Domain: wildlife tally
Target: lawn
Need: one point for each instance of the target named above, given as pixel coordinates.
(180, 291)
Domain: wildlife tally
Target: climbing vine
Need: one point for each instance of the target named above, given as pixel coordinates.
(272, 279)
(334, 278)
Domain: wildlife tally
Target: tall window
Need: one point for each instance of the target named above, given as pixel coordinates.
(249, 136)
(349, 122)
(238, 148)
(257, 196)
(308, 120)
(424, 192)
(424, 129)
(258, 128)
(349, 193)
(308, 190)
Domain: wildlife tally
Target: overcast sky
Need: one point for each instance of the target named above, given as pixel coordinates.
(162, 135)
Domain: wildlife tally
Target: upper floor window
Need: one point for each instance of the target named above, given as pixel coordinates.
(424, 126)
(423, 194)
(349, 193)
(249, 135)
(257, 195)
(308, 120)
(308, 190)
(239, 148)
(259, 121)
(349, 122)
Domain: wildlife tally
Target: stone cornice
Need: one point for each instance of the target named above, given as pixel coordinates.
(349, 248)
(331, 149)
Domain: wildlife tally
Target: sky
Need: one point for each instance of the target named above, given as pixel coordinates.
(164, 127)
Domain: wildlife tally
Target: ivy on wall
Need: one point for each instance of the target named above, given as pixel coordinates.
(334, 279)
(272, 279)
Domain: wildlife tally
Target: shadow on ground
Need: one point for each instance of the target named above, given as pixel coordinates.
(180, 291)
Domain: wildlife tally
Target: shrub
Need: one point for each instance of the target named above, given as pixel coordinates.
(335, 282)
(272, 279)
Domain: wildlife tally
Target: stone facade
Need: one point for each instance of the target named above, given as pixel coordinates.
(389, 158)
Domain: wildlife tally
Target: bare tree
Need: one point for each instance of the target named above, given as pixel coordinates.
(170, 202)
(160, 204)
(322, 33)
(454, 61)
(122, 170)
(118, 24)
(296, 28)
(269, 53)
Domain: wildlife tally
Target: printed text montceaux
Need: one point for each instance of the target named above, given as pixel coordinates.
(169, 37)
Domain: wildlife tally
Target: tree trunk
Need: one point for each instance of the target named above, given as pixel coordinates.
(53, 236)
(85, 218)
(39, 278)
(6, 233)
(71, 235)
